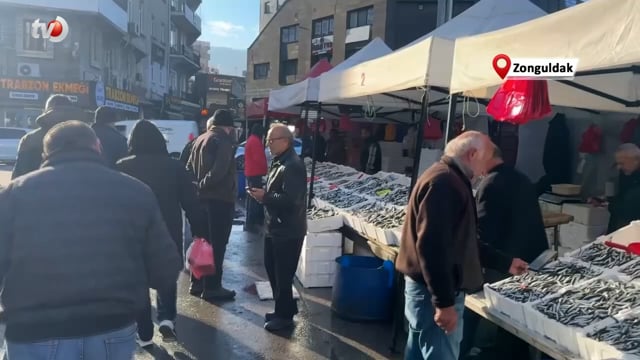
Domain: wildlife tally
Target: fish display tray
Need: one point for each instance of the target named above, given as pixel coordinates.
(600, 255)
(325, 224)
(592, 349)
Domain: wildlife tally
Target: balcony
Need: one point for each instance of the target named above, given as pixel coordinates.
(185, 59)
(137, 42)
(109, 10)
(185, 18)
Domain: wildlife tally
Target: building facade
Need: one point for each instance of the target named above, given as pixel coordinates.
(301, 32)
(116, 53)
(268, 8)
(204, 49)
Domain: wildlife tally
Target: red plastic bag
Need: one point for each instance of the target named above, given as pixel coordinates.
(519, 101)
(591, 140)
(432, 129)
(200, 257)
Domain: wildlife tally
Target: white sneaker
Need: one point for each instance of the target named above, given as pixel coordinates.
(144, 344)
(167, 329)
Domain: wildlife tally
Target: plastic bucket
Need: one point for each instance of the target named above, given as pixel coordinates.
(363, 288)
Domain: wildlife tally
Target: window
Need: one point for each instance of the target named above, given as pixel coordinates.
(173, 36)
(267, 7)
(288, 68)
(360, 17)
(323, 27)
(29, 43)
(260, 71)
(11, 134)
(289, 34)
(353, 48)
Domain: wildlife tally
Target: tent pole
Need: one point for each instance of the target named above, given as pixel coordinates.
(316, 133)
(419, 137)
(453, 102)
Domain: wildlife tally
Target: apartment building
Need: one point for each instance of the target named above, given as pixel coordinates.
(301, 32)
(116, 53)
(268, 9)
(204, 49)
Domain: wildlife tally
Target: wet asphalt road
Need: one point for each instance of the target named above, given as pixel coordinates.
(233, 330)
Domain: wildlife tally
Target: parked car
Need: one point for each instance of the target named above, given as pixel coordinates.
(177, 133)
(9, 141)
(240, 153)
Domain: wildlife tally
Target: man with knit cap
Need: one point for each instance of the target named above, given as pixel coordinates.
(212, 161)
(58, 108)
(114, 144)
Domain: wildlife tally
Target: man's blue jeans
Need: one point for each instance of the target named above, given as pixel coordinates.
(115, 345)
(426, 339)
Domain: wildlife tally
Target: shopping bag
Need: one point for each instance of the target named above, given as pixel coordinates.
(432, 129)
(201, 261)
(519, 101)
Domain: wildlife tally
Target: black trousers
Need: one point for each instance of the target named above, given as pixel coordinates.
(220, 215)
(281, 257)
(255, 210)
(166, 302)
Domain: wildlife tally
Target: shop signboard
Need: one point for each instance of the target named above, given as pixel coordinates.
(322, 45)
(36, 91)
(119, 99)
(220, 83)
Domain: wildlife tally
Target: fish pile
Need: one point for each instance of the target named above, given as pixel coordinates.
(590, 303)
(365, 210)
(601, 255)
(341, 199)
(366, 183)
(314, 213)
(399, 198)
(632, 270)
(387, 219)
(382, 191)
(623, 335)
(533, 286)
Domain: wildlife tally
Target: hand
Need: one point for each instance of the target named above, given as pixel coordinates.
(446, 319)
(257, 194)
(518, 267)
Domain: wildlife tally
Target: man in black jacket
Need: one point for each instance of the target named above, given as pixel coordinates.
(90, 241)
(286, 223)
(371, 155)
(114, 144)
(57, 109)
(509, 221)
(212, 161)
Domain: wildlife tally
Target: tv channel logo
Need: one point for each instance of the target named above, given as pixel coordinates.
(55, 30)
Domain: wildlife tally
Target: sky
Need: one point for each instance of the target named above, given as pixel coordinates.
(230, 23)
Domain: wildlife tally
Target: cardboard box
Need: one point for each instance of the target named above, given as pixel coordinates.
(323, 239)
(586, 214)
(574, 235)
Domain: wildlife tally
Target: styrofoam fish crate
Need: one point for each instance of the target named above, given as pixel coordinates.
(370, 231)
(325, 224)
(387, 236)
(503, 305)
(575, 254)
(591, 349)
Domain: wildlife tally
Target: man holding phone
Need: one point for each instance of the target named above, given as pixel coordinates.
(286, 223)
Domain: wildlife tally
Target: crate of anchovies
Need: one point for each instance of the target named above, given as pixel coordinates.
(388, 224)
(603, 256)
(323, 218)
(510, 296)
(614, 338)
(631, 271)
(579, 309)
(363, 213)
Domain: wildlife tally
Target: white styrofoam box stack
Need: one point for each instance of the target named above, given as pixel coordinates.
(586, 214)
(574, 235)
(627, 235)
(550, 235)
(316, 267)
(550, 207)
(591, 349)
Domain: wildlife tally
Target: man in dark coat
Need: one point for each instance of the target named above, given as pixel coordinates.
(440, 254)
(114, 144)
(57, 109)
(371, 155)
(172, 184)
(625, 205)
(80, 245)
(212, 161)
(286, 223)
(509, 221)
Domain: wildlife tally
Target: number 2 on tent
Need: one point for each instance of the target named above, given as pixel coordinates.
(362, 77)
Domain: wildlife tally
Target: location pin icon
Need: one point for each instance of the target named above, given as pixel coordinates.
(502, 71)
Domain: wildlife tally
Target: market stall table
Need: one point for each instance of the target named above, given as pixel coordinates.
(477, 303)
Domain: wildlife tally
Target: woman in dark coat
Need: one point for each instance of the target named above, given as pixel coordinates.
(173, 186)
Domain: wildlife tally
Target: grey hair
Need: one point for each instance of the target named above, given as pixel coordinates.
(286, 133)
(209, 123)
(629, 149)
(469, 140)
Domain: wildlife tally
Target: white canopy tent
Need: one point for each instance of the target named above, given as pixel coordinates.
(307, 90)
(602, 34)
(387, 81)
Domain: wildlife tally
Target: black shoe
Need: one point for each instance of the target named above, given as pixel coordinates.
(167, 330)
(219, 294)
(278, 324)
(269, 316)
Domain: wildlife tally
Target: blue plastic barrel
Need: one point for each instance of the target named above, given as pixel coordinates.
(241, 185)
(363, 288)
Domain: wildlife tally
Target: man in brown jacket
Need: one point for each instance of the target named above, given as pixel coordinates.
(212, 162)
(440, 254)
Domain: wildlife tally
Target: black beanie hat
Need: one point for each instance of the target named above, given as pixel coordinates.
(222, 118)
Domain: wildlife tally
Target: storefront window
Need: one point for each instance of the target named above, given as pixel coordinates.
(20, 118)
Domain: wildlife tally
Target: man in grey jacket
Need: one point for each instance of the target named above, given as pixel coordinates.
(80, 244)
